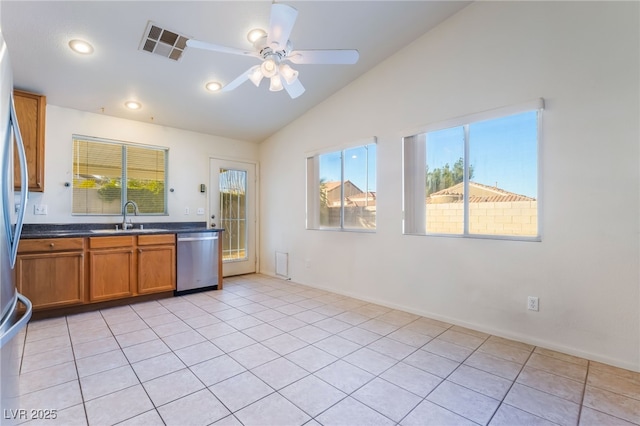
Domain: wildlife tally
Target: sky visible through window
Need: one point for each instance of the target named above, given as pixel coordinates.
(359, 166)
(502, 152)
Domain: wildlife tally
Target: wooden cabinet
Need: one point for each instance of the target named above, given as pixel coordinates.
(31, 112)
(111, 268)
(50, 272)
(156, 263)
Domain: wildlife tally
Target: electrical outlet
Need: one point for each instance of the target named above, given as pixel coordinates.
(40, 209)
(532, 303)
(200, 210)
(186, 210)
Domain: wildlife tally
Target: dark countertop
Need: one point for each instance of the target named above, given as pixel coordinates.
(46, 230)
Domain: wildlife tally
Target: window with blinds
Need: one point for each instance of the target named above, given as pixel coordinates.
(107, 174)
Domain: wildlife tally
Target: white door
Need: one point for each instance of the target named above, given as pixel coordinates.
(233, 207)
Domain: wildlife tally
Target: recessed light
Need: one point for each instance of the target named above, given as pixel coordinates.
(81, 46)
(213, 86)
(256, 34)
(133, 105)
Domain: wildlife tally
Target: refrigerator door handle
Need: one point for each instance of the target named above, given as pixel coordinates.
(24, 185)
(15, 328)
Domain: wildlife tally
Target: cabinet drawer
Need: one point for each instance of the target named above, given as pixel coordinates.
(50, 245)
(147, 240)
(110, 242)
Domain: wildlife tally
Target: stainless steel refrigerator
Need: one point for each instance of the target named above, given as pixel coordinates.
(14, 307)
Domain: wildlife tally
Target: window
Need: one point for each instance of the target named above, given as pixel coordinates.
(341, 189)
(475, 176)
(101, 166)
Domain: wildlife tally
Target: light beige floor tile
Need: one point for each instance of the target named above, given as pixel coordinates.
(48, 344)
(310, 333)
(462, 339)
(106, 344)
(311, 358)
(480, 381)
(284, 344)
(272, 410)
(619, 384)
(514, 343)
(233, 341)
(612, 403)
(398, 318)
(427, 328)
(378, 327)
(46, 359)
(199, 408)
(465, 402)
(198, 353)
(376, 394)
(410, 337)
(562, 356)
(182, 340)
(47, 377)
(432, 363)
(229, 314)
(244, 322)
(371, 361)
(214, 331)
(633, 375)
(392, 348)
(136, 337)
(312, 395)
(217, 369)
(253, 356)
(558, 366)
(46, 323)
(475, 333)
(148, 418)
(101, 362)
(239, 391)
(47, 333)
(412, 379)
(172, 386)
(360, 336)
(201, 321)
(269, 315)
(157, 366)
(344, 376)
(352, 318)
(128, 326)
(541, 404)
(90, 335)
(447, 349)
(158, 320)
(552, 383)
(288, 323)
(72, 416)
(230, 420)
(429, 414)
(262, 332)
(107, 382)
(145, 350)
(118, 406)
(591, 417)
(171, 328)
(512, 416)
(279, 373)
(352, 412)
(507, 352)
(57, 397)
(290, 309)
(337, 346)
(494, 365)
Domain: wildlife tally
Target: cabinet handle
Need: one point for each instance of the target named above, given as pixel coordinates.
(51, 245)
(139, 250)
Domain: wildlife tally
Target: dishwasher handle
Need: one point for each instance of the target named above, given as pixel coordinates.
(213, 237)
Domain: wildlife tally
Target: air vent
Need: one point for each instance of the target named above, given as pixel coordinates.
(163, 42)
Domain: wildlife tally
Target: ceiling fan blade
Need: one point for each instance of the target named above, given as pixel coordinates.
(324, 56)
(197, 44)
(238, 80)
(294, 89)
(282, 19)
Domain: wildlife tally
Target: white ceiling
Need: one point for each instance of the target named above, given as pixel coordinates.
(172, 93)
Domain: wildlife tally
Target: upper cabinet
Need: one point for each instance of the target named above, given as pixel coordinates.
(31, 111)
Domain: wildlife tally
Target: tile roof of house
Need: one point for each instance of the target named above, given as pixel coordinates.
(484, 194)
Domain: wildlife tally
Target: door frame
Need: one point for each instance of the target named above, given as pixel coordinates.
(256, 199)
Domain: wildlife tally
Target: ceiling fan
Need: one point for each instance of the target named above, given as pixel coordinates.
(275, 49)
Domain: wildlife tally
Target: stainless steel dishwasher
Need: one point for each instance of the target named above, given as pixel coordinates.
(197, 268)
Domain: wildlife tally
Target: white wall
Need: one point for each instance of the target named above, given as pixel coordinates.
(189, 154)
(583, 58)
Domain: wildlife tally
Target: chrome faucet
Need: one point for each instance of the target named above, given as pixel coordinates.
(126, 225)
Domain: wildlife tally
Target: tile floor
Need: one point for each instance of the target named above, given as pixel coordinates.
(264, 351)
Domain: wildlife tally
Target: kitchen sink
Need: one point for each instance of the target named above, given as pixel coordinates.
(128, 231)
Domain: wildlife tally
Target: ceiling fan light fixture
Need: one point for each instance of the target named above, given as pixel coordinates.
(255, 75)
(269, 68)
(288, 73)
(276, 84)
(256, 34)
(81, 46)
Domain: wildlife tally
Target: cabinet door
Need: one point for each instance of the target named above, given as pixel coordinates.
(156, 269)
(30, 110)
(111, 274)
(51, 280)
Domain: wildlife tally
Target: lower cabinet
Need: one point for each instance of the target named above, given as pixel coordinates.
(111, 268)
(156, 263)
(50, 272)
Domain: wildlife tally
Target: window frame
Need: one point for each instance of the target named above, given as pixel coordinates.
(312, 219)
(124, 172)
(411, 205)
